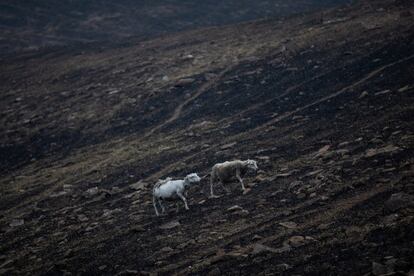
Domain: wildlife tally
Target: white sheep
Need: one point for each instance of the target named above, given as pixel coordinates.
(230, 170)
(172, 189)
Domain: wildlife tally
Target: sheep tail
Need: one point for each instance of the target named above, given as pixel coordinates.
(160, 182)
(156, 186)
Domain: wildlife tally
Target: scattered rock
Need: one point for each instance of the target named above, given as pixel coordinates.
(128, 272)
(227, 146)
(324, 226)
(390, 263)
(16, 222)
(183, 82)
(282, 267)
(235, 208)
(214, 272)
(383, 92)
(115, 190)
(378, 269)
(260, 178)
(113, 91)
(82, 218)
(404, 88)
(301, 196)
(165, 78)
(294, 184)
(391, 219)
(67, 187)
(170, 225)
(283, 174)
(264, 158)
(289, 224)
(296, 241)
(343, 144)
(384, 150)
(312, 173)
(323, 150)
(140, 185)
(324, 198)
(58, 194)
(91, 191)
(363, 94)
(188, 57)
(398, 201)
(166, 249)
(109, 213)
(257, 237)
(137, 229)
(259, 248)
(276, 193)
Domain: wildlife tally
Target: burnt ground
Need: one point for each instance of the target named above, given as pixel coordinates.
(29, 25)
(324, 104)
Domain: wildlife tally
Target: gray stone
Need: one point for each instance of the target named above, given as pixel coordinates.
(227, 146)
(257, 237)
(166, 249)
(398, 201)
(259, 248)
(289, 224)
(140, 185)
(296, 241)
(235, 208)
(16, 222)
(389, 149)
(92, 191)
(378, 269)
(214, 272)
(282, 267)
(170, 225)
(391, 219)
(82, 218)
(183, 82)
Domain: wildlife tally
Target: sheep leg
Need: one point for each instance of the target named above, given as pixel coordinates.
(211, 187)
(224, 187)
(162, 206)
(155, 205)
(241, 181)
(184, 200)
(177, 206)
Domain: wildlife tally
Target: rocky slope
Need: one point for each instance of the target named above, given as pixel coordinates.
(26, 24)
(324, 104)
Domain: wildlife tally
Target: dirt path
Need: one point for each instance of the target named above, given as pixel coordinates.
(323, 99)
(177, 112)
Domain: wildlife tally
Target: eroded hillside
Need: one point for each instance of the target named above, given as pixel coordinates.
(28, 25)
(325, 104)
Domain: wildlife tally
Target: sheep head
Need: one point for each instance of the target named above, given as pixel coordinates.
(192, 178)
(251, 165)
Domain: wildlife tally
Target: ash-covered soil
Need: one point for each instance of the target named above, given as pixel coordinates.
(324, 104)
(28, 25)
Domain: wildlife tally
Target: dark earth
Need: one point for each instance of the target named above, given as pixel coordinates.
(323, 101)
(33, 24)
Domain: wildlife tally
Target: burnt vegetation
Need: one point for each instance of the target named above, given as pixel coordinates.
(323, 101)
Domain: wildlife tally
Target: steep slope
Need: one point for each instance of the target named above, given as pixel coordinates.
(325, 106)
(26, 24)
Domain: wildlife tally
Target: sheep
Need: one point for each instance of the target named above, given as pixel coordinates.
(172, 189)
(229, 170)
